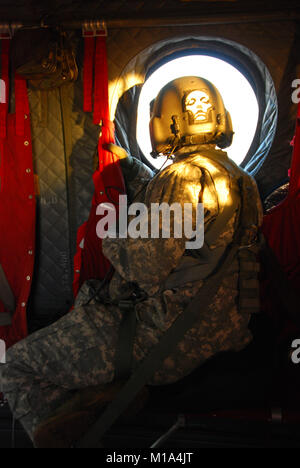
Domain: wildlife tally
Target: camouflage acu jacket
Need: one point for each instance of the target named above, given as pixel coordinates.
(197, 174)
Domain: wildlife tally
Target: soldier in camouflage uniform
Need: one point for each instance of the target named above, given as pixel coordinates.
(78, 351)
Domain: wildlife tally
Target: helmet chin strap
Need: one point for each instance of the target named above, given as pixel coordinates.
(178, 141)
(198, 140)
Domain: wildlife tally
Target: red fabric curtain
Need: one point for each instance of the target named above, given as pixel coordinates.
(17, 206)
(281, 227)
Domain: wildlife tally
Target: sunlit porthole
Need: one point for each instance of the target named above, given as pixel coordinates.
(238, 95)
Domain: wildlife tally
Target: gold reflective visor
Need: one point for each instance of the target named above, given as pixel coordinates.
(197, 104)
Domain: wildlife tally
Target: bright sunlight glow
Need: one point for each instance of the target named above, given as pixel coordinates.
(237, 93)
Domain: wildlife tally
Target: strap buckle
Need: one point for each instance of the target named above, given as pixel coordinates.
(248, 246)
(5, 31)
(126, 304)
(8, 30)
(94, 29)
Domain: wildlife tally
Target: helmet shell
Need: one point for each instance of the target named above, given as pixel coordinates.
(189, 110)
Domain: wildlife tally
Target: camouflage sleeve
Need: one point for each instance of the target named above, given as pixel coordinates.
(258, 202)
(276, 197)
(148, 261)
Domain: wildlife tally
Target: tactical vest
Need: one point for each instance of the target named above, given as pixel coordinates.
(200, 264)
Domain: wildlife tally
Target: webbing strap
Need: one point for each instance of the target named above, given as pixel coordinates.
(200, 267)
(95, 63)
(88, 70)
(222, 219)
(124, 350)
(101, 82)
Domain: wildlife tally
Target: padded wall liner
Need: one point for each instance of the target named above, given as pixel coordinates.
(52, 273)
(64, 143)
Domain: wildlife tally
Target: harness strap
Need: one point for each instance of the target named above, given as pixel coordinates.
(222, 220)
(249, 289)
(249, 267)
(124, 350)
(200, 267)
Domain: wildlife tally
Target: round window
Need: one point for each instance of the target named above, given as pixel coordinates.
(237, 92)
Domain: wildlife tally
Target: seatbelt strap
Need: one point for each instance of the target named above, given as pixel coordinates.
(124, 349)
(155, 358)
